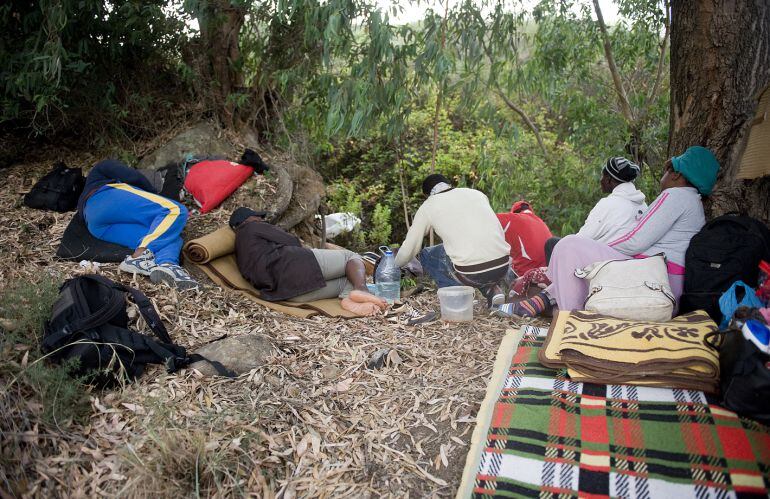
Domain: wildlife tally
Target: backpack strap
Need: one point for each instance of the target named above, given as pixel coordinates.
(173, 361)
(115, 304)
(715, 339)
(154, 322)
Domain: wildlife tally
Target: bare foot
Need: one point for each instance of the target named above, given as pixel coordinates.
(364, 297)
(363, 309)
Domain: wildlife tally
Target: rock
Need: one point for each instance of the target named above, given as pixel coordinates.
(309, 189)
(239, 354)
(377, 359)
(8, 325)
(204, 139)
(384, 357)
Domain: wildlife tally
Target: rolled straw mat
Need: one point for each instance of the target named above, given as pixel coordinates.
(215, 254)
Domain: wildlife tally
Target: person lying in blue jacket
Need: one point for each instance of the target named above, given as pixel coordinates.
(120, 205)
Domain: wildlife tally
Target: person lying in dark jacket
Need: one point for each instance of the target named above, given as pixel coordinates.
(276, 264)
(121, 206)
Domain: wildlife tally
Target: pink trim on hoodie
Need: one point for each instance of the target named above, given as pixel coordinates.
(643, 221)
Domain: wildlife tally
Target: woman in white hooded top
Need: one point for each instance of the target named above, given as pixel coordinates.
(615, 214)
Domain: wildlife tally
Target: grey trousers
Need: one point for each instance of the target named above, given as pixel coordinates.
(332, 263)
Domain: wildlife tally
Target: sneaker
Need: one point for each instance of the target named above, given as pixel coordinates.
(504, 310)
(142, 264)
(173, 275)
(494, 296)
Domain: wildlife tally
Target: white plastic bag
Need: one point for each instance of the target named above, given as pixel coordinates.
(340, 223)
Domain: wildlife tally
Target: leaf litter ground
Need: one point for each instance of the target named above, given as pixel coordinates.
(313, 422)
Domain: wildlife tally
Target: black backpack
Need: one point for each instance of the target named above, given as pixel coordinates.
(726, 250)
(89, 323)
(58, 190)
(744, 375)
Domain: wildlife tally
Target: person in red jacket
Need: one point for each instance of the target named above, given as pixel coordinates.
(526, 233)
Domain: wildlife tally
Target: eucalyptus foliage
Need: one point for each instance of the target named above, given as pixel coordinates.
(84, 63)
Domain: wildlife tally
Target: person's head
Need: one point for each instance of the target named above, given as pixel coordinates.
(242, 214)
(697, 167)
(521, 206)
(433, 181)
(616, 171)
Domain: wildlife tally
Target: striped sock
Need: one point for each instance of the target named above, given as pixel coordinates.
(534, 306)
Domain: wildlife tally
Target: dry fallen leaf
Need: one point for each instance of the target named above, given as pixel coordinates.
(342, 386)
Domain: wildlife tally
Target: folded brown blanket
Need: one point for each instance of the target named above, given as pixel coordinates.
(214, 254)
(600, 349)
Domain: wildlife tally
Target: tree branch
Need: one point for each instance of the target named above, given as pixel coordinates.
(438, 98)
(511, 105)
(526, 119)
(662, 57)
(438, 103)
(619, 89)
(404, 195)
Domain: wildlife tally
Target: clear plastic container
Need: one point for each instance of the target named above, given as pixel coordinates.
(456, 303)
(388, 277)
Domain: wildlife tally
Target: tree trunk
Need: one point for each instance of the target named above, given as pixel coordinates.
(220, 25)
(720, 61)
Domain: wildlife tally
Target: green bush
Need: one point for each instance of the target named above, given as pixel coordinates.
(381, 227)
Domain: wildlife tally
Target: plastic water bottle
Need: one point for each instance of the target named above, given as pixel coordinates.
(388, 277)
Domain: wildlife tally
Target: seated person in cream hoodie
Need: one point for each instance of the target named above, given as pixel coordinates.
(474, 251)
(614, 214)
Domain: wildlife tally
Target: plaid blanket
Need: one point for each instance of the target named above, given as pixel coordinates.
(546, 436)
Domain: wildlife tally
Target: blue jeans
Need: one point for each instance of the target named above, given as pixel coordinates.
(438, 266)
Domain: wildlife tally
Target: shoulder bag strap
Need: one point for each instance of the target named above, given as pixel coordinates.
(173, 361)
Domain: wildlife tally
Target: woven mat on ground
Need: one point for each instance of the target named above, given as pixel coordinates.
(602, 349)
(540, 434)
(214, 254)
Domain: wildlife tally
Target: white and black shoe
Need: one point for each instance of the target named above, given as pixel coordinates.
(173, 275)
(142, 264)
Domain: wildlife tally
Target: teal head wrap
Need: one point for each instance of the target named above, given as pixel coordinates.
(699, 167)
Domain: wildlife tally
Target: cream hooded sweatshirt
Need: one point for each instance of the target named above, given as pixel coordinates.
(464, 221)
(615, 214)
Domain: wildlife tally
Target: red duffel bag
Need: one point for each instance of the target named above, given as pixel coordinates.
(211, 181)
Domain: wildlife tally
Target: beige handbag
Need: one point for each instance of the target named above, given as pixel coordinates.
(636, 289)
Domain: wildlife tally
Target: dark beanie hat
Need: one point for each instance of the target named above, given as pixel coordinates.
(241, 214)
(430, 182)
(621, 169)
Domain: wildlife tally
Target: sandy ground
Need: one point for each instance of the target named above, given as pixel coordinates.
(314, 421)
